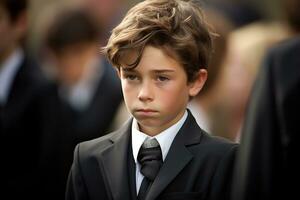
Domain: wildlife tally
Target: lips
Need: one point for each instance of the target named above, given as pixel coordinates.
(145, 112)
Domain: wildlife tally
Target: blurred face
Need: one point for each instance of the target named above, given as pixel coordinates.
(7, 34)
(156, 92)
(103, 10)
(73, 61)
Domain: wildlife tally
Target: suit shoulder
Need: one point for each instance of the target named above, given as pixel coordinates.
(218, 146)
(93, 147)
(286, 46)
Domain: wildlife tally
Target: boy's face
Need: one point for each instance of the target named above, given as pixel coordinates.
(156, 92)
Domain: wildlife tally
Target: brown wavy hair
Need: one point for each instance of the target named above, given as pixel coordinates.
(177, 27)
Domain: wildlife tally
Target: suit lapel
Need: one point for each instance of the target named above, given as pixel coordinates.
(178, 157)
(27, 81)
(115, 163)
(19, 87)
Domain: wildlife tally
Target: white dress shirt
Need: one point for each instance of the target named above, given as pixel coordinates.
(8, 71)
(164, 139)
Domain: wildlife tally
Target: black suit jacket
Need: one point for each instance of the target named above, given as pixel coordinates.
(266, 165)
(198, 166)
(20, 132)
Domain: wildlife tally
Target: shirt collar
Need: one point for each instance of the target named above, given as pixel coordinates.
(164, 138)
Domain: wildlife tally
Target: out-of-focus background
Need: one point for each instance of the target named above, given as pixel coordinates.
(57, 90)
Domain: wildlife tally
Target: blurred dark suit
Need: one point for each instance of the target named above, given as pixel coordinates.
(65, 127)
(20, 131)
(95, 121)
(266, 165)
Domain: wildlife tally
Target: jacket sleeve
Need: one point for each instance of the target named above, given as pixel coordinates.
(76, 188)
(222, 179)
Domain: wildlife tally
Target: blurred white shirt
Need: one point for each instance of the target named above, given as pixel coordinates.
(200, 116)
(8, 71)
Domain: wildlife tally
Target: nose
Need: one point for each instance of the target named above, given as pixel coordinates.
(145, 93)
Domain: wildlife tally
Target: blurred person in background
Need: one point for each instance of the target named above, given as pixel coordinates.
(208, 106)
(106, 12)
(86, 91)
(246, 48)
(21, 126)
(239, 12)
(266, 166)
(85, 80)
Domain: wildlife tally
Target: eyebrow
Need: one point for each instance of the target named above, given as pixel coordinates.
(128, 69)
(163, 71)
(157, 71)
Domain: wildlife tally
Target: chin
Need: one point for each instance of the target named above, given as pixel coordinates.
(149, 122)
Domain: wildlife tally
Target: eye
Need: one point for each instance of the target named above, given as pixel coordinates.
(130, 77)
(162, 78)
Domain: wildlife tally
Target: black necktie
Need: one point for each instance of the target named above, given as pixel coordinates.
(150, 159)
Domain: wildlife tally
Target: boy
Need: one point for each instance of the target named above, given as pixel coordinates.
(160, 49)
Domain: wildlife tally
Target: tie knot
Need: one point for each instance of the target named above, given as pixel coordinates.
(150, 143)
(150, 158)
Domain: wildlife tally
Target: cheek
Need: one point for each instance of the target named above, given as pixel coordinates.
(125, 87)
(173, 97)
(128, 91)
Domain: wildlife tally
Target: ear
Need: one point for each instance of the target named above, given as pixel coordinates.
(198, 83)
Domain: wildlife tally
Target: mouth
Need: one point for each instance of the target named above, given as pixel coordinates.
(145, 112)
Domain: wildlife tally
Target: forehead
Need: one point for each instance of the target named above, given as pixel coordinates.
(152, 58)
